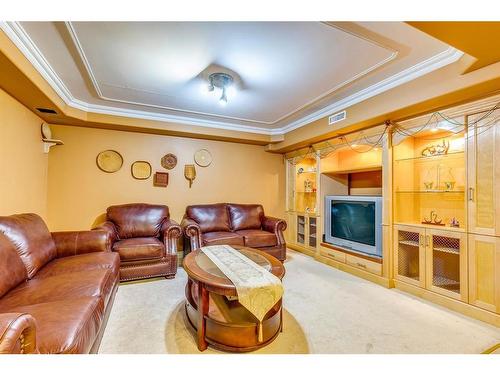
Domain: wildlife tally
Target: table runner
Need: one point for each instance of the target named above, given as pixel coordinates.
(258, 289)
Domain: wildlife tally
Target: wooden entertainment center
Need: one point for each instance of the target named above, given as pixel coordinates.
(439, 178)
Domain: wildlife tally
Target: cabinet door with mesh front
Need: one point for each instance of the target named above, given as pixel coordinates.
(409, 254)
(484, 272)
(446, 263)
(483, 153)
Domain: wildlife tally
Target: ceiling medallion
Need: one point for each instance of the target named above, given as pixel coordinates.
(222, 81)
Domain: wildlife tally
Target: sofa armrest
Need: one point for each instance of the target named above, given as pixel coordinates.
(81, 242)
(170, 233)
(109, 227)
(192, 230)
(276, 226)
(17, 334)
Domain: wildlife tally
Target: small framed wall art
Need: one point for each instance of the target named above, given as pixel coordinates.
(109, 161)
(160, 179)
(141, 170)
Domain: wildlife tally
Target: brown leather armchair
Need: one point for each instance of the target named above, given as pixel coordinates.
(145, 238)
(56, 289)
(234, 224)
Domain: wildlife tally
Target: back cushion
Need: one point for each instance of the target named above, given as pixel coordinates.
(138, 219)
(246, 216)
(210, 217)
(12, 270)
(31, 239)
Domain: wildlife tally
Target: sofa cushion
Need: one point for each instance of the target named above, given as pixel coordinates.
(69, 326)
(12, 270)
(31, 238)
(245, 216)
(258, 238)
(137, 219)
(139, 248)
(222, 238)
(96, 283)
(210, 217)
(84, 262)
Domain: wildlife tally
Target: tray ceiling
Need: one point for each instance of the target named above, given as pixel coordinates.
(287, 73)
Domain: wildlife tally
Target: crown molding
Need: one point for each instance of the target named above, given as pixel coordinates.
(21, 39)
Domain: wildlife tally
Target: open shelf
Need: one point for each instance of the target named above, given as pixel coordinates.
(431, 191)
(459, 154)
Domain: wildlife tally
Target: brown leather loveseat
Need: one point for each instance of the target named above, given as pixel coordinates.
(234, 224)
(145, 238)
(56, 289)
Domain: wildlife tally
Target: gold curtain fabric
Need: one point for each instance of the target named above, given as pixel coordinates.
(258, 289)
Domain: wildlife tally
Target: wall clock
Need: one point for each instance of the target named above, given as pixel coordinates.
(109, 161)
(141, 170)
(203, 157)
(169, 161)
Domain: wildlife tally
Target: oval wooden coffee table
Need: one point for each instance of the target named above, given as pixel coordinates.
(214, 312)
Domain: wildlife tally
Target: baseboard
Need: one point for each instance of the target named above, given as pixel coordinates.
(301, 249)
(450, 303)
(380, 280)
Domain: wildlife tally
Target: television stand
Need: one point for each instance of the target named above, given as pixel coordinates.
(372, 258)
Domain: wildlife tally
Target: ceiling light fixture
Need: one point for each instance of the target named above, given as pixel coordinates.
(222, 81)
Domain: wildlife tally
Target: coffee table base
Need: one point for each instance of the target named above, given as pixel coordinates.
(235, 334)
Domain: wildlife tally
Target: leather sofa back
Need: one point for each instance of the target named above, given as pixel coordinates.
(138, 219)
(31, 239)
(12, 270)
(210, 217)
(246, 216)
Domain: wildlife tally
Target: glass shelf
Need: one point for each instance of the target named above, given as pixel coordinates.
(433, 158)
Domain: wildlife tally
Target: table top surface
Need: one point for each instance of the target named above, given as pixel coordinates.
(200, 268)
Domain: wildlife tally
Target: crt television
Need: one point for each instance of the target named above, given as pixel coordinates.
(354, 223)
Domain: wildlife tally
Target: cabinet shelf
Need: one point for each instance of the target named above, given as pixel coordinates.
(450, 250)
(409, 243)
(433, 158)
(446, 283)
(430, 192)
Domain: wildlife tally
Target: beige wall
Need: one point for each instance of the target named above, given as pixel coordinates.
(23, 165)
(79, 192)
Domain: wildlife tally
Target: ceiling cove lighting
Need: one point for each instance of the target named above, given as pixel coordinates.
(223, 82)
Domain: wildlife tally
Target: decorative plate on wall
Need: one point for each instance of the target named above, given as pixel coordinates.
(169, 161)
(203, 157)
(141, 170)
(109, 161)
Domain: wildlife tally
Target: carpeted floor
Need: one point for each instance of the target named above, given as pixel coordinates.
(326, 311)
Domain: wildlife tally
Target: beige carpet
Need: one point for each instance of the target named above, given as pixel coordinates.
(327, 311)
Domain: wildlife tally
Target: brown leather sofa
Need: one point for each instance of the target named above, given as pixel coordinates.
(56, 289)
(145, 238)
(234, 224)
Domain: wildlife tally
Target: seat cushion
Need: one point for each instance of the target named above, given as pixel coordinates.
(222, 238)
(245, 216)
(258, 238)
(137, 219)
(69, 326)
(96, 283)
(12, 270)
(84, 262)
(210, 217)
(31, 238)
(139, 248)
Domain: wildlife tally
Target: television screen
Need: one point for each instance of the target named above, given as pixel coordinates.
(354, 221)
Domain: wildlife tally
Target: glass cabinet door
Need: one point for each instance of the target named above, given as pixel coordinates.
(409, 262)
(446, 263)
(301, 229)
(312, 232)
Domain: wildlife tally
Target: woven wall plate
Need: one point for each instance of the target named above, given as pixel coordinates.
(169, 161)
(141, 170)
(109, 161)
(203, 158)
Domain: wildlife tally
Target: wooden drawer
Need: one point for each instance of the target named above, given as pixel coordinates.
(364, 264)
(333, 254)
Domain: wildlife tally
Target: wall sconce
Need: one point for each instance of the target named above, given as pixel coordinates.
(47, 140)
(190, 173)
